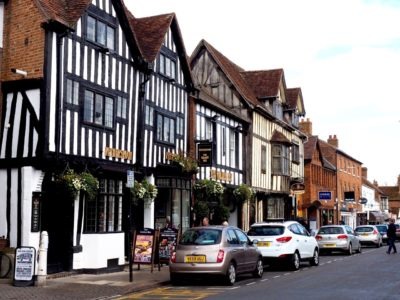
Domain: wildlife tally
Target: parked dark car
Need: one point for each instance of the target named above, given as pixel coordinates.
(397, 231)
(383, 231)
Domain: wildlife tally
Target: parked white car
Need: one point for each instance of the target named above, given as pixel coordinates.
(369, 235)
(288, 242)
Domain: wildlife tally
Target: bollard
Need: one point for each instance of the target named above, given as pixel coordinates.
(42, 258)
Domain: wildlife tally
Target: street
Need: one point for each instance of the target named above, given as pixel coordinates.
(370, 275)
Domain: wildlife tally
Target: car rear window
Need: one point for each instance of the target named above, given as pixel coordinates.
(364, 229)
(331, 230)
(382, 228)
(202, 236)
(266, 230)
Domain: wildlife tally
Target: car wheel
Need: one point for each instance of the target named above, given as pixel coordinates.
(359, 250)
(315, 259)
(231, 274)
(175, 279)
(294, 263)
(259, 271)
(350, 250)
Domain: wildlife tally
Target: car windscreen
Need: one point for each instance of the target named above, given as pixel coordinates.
(364, 229)
(266, 230)
(203, 236)
(331, 230)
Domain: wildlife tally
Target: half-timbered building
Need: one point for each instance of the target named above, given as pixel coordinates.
(221, 123)
(277, 144)
(86, 89)
(163, 130)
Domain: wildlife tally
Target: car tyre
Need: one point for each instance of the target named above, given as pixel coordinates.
(294, 262)
(359, 250)
(175, 279)
(315, 258)
(259, 271)
(350, 249)
(231, 274)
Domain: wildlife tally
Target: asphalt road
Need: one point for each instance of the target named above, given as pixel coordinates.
(371, 275)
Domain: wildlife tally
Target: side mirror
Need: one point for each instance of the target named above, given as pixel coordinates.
(255, 242)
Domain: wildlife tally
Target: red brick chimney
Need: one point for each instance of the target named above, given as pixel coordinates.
(333, 141)
(364, 172)
(306, 126)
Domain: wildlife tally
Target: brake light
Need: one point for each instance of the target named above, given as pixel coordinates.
(375, 231)
(220, 256)
(173, 257)
(342, 236)
(284, 239)
(318, 237)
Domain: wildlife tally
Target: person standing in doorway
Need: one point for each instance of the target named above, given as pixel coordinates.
(206, 221)
(391, 234)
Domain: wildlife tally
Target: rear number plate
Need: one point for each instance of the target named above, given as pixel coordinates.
(329, 245)
(195, 259)
(264, 244)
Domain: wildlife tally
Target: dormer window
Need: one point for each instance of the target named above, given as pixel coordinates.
(100, 32)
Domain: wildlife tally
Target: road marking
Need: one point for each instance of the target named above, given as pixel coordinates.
(276, 276)
(168, 293)
(223, 288)
(286, 274)
(251, 283)
(266, 279)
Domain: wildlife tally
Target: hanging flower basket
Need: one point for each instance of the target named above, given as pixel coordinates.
(208, 190)
(144, 191)
(243, 192)
(71, 183)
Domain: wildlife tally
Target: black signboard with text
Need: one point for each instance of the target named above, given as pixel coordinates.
(166, 244)
(204, 154)
(35, 219)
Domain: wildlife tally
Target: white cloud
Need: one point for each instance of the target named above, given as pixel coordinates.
(344, 54)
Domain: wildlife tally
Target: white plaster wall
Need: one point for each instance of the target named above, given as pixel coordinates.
(98, 248)
(3, 202)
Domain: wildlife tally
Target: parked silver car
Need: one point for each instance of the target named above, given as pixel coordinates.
(215, 250)
(337, 238)
(369, 235)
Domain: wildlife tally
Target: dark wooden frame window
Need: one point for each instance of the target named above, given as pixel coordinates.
(122, 107)
(100, 32)
(149, 115)
(167, 66)
(104, 214)
(98, 109)
(263, 159)
(72, 92)
(280, 159)
(295, 153)
(165, 129)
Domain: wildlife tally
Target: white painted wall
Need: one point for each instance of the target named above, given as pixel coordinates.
(98, 248)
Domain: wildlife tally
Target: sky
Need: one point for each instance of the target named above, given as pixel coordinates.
(343, 54)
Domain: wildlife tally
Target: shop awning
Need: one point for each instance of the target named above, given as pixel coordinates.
(377, 216)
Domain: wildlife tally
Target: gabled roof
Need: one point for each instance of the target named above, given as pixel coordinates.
(313, 144)
(369, 184)
(230, 69)
(292, 97)
(265, 83)
(330, 151)
(66, 12)
(150, 33)
(391, 191)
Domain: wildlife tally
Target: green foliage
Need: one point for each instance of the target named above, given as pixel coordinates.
(144, 190)
(243, 192)
(187, 163)
(201, 210)
(71, 183)
(208, 190)
(221, 213)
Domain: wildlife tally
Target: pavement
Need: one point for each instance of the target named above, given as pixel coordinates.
(88, 286)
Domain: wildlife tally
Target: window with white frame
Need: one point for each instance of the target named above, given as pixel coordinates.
(104, 214)
(232, 147)
(280, 159)
(98, 109)
(100, 32)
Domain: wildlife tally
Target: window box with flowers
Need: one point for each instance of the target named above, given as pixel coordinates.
(71, 183)
(144, 191)
(208, 190)
(187, 164)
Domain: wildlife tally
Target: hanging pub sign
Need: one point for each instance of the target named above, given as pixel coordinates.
(349, 196)
(204, 154)
(167, 243)
(24, 266)
(298, 188)
(143, 246)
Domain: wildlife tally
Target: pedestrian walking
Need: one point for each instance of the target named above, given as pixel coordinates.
(391, 234)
